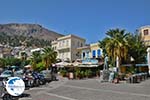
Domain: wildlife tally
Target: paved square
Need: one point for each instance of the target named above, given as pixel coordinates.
(89, 89)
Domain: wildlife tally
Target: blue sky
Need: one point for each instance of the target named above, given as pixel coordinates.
(89, 19)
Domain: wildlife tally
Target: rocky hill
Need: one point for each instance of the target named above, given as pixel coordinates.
(29, 30)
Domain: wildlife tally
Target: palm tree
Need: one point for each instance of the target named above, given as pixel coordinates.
(49, 56)
(137, 48)
(116, 44)
(35, 58)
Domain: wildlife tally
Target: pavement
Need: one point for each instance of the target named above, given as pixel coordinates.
(89, 89)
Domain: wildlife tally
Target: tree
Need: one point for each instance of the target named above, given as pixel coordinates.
(35, 58)
(49, 56)
(137, 48)
(2, 63)
(11, 61)
(115, 44)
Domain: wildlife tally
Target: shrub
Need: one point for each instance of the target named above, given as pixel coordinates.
(63, 72)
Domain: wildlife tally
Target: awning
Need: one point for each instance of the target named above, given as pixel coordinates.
(63, 64)
(87, 65)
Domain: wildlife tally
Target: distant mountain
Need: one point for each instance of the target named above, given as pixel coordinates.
(29, 30)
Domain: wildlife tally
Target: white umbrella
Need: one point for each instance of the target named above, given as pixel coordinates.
(62, 64)
(28, 66)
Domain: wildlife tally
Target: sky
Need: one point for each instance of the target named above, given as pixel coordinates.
(89, 19)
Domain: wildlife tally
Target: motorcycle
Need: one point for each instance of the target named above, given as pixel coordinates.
(3, 92)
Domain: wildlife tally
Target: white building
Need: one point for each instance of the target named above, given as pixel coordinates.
(66, 47)
(145, 34)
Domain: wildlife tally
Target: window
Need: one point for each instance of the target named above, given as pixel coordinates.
(145, 32)
(67, 42)
(81, 44)
(87, 54)
(98, 53)
(83, 55)
(63, 42)
(94, 53)
(59, 44)
(78, 44)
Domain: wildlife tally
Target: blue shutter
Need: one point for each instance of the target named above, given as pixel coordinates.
(94, 53)
(98, 52)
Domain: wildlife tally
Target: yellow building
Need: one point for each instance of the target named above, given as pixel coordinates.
(90, 51)
(145, 34)
(66, 47)
(96, 51)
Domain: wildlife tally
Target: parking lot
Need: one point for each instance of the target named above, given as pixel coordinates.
(89, 89)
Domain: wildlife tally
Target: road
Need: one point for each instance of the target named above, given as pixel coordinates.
(89, 89)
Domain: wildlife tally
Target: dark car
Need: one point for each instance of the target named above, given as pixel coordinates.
(39, 78)
(47, 75)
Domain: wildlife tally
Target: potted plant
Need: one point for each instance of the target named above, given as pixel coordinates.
(63, 72)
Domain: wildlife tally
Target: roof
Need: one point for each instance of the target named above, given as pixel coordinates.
(69, 36)
(146, 26)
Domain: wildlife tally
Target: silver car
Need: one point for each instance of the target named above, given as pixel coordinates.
(7, 73)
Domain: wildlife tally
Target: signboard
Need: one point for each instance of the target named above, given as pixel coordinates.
(15, 86)
(90, 61)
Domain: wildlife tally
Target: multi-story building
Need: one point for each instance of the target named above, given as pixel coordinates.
(96, 51)
(91, 54)
(90, 51)
(66, 47)
(145, 34)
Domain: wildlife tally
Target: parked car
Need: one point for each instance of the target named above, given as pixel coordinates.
(47, 75)
(19, 73)
(6, 73)
(38, 78)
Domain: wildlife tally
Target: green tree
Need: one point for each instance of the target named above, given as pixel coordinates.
(115, 44)
(49, 56)
(12, 61)
(40, 66)
(35, 59)
(2, 63)
(137, 48)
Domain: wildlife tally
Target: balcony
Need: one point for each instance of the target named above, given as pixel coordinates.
(63, 47)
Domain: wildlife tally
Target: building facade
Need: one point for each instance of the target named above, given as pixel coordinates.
(92, 51)
(96, 51)
(145, 34)
(66, 47)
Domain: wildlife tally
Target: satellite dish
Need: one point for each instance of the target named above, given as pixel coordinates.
(15, 86)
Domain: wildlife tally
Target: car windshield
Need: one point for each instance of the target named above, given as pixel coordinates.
(45, 72)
